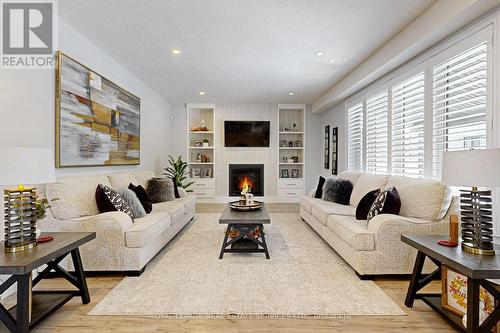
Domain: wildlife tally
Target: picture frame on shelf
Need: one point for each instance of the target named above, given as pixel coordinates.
(196, 172)
(207, 173)
(298, 143)
(284, 173)
(295, 173)
(198, 143)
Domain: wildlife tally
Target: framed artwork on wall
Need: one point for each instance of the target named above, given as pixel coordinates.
(98, 123)
(327, 147)
(335, 148)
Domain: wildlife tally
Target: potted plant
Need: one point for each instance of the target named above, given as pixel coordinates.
(177, 171)
(206, 143)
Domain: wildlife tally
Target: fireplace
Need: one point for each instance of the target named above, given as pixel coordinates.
(251, 175)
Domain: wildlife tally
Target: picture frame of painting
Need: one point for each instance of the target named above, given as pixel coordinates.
(295, 173)
(454, 293)
(335, 145)
(196, 172)
(284, 173)
(208, 173)
(198, 143)
(327, 147)
(98, 123)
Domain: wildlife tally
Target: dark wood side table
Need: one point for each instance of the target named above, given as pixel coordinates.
(476, 268)
(34, 306)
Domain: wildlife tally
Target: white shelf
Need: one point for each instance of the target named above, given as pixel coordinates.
(196, 115)
(291, 116)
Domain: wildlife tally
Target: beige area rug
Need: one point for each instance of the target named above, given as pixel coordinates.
(304, 277)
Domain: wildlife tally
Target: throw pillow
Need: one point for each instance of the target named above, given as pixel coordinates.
(133, 202)
(319, 189)
(387, 202)
(109, 201)
(161, 189)
(337, 190)
(365, 204)
(143, 196)
(176, 190)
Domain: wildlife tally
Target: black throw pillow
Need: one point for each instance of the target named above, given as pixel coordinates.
(176, 189)
(337, 190)
(108, 200)
(365, 204)
(143, 196)
(319, 189)
(387, 202)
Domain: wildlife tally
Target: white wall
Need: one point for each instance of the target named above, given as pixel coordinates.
(27, 110)
(228, 155)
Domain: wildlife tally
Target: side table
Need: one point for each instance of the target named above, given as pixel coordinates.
(477, 269)
(34, 306)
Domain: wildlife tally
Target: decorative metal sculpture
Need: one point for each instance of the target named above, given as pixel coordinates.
(20, 219)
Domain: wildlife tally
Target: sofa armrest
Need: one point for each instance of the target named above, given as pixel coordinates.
(386, 226)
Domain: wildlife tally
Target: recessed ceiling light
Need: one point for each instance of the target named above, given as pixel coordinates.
(202, 93)
(319, 53)
(176, 51)
(290, 93)
(338, 61)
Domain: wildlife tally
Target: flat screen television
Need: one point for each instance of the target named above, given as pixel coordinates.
(246, 133)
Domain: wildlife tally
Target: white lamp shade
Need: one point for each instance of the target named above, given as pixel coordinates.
(21, 165)
(480, 168)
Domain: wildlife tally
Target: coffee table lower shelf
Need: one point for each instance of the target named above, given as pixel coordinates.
(434, 301)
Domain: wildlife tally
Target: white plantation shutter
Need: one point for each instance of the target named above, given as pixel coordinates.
(408, 120)
(377, 108)
(355, 137)
(459, 104)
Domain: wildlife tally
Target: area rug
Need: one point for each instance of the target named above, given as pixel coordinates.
(304, 277)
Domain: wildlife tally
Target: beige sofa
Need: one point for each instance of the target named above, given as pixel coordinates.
(121, 244)
(375, 247)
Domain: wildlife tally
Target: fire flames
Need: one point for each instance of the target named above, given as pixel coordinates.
(245, 183)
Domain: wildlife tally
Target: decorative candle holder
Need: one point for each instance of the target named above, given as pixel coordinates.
(20, 219)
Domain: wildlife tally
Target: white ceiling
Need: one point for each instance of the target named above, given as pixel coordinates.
(240, 51)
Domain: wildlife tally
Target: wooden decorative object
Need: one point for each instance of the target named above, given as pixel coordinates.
(454, 228)
(20, 219)
(239, 206)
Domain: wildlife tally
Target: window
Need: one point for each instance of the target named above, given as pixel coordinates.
(408, 116)
(459, 104)
(376, 133)
(355, 137)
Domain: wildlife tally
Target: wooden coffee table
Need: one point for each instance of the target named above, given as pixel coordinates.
(244, 225)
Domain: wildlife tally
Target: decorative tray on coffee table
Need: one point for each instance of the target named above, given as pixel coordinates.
(238, 206)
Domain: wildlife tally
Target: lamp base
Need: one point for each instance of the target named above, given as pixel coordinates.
(19, 248)
(475, 250)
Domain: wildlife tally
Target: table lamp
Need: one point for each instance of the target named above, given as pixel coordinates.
(474, 168)
(20, 165)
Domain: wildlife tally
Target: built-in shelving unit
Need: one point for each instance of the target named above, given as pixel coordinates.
(291, 151)
(201, 148)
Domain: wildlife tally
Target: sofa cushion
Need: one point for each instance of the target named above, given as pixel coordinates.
(146, 229)
(76, 196)
(420, 198)
(321, 210)
(143, 197)
(351, 176)
(319, 189)
(353, 232)
(337, 190)
(365, 204)
(366, 182)
(121, 180)
(175, 209)
(143, 177)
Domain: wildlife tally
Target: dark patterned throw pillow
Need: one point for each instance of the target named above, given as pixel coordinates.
(108, 200)
(387, 202)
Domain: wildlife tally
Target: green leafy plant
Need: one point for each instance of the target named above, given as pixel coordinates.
(41, 207)
(177, 171)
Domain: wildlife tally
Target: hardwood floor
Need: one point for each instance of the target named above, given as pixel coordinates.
(72, 316)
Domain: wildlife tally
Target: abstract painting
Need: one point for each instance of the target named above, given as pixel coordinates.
(97, 122)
